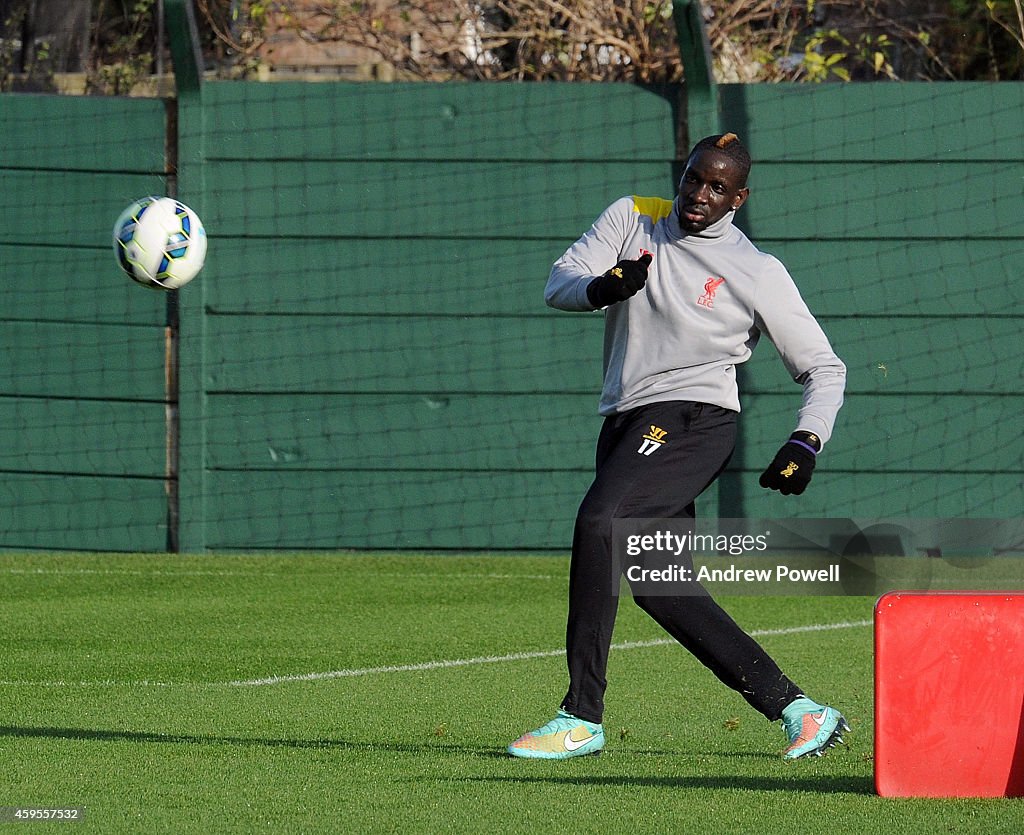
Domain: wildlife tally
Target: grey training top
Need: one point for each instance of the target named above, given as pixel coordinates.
(707, 300)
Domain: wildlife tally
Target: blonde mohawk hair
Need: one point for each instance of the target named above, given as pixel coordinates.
(730, 145)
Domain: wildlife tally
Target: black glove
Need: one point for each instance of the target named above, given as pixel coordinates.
(791, 469)
(623, 280)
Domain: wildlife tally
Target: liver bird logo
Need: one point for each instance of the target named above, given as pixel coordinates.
(710, 288)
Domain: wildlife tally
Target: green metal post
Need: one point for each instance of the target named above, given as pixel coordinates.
(703, 119)
(186, 144)
(184, 42)
(702, 107)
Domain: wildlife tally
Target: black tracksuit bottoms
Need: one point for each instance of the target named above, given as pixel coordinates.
(652, 463)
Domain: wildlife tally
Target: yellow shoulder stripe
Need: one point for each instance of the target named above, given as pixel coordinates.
(655, 208)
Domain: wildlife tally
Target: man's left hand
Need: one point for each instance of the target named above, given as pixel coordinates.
(791, 469)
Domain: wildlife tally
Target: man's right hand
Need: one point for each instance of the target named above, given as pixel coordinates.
(622, 281)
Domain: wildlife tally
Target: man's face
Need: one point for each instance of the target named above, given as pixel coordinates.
(710, 188)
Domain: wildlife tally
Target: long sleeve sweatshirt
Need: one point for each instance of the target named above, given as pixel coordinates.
(707, 300)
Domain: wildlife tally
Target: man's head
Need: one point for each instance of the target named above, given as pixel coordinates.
(714, 182)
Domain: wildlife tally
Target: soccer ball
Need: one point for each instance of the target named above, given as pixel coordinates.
(160, 243)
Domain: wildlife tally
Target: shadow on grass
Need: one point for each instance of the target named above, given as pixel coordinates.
(808, 783)
(91, 735)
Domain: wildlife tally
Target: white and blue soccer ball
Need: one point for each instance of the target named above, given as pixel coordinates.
(160, 243)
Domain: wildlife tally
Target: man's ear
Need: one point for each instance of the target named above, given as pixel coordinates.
(741, 198)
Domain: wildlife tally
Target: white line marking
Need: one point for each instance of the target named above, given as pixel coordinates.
(134, 572)
(102, 683)
(516, 656)
(464, 576)
(422, 666)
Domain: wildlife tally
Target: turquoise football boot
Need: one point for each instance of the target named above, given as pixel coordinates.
(812, 728)
(563, 737)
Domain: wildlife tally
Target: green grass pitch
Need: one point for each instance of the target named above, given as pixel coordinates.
(376, 693)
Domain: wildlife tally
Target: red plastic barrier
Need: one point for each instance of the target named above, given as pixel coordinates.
(949, 694)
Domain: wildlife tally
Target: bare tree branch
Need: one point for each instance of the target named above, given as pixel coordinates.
(613, 40)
